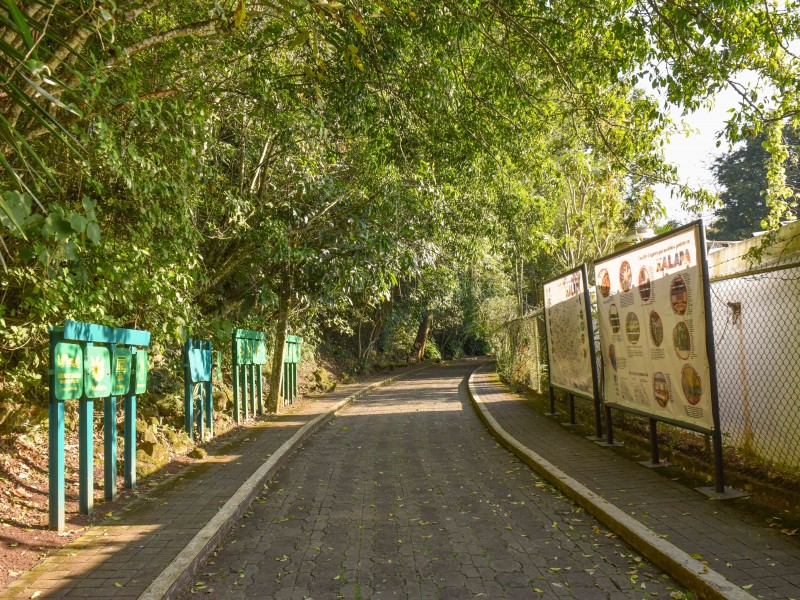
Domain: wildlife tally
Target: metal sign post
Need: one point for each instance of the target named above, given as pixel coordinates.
(249, 353)
(198, 367)
(292, 359)
(85, 371)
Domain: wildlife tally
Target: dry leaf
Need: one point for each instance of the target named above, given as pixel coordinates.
(22, 492)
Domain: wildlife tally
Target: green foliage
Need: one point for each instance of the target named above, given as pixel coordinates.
(343, 166)
(743, 175)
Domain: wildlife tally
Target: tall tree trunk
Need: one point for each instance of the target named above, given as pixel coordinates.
(275, 399)
(422, 335)
(373, 339)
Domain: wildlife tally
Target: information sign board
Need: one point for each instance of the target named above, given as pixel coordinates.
(121, 366)
(141, 372)
(569, 335)
(244, 349)
(68, 371)
(260, 352)
(200, 365)
(652, 313)
(97, 372)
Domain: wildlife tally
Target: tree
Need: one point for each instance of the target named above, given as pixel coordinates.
(742, 174)
(277, 164)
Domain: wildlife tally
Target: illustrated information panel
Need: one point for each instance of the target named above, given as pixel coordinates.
(653, 329)
(568, 334)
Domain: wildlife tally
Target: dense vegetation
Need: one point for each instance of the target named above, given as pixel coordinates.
(345, 168)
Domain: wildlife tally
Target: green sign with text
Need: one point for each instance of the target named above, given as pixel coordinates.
(68, 371)
(122, 371)
(245, 352)
(141, 372)
(97, 372)
(260, 352)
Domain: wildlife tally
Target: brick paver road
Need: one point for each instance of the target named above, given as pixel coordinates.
(406, 495)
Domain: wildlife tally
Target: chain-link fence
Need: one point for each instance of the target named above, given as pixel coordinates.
(756, 321)
(521, 348)
(757, 342)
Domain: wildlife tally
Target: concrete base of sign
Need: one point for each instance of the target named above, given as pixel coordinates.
(594, 438)
(568, 424)
(614, 444)
(651, 465)
(728, 494)
(552, 414)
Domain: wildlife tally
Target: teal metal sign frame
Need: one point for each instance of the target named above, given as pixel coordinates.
(63, 374)
(290, 385)
(198, 367)
(248, 350)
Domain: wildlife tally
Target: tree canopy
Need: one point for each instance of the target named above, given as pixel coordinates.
(181, 166)
(742, 174)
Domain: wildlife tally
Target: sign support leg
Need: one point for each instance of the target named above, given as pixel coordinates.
(253, 388)
(245, 401)
(86, 455)
(236, 411)
(110, 447)
(609, 427)
(209, 408)
(56, 462)
(598, 419)
(201, 421)
(719, 474)
(188, 401)
(654, 456)
(130, 441)
(260, 387)
(295, 383)
(188, 409)
(55, 458)
(552, 412)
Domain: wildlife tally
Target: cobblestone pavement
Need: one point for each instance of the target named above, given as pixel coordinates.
(122, 556)
(405, 494)
(760, 559)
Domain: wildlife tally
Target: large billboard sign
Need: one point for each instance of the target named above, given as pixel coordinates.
(652, 313)
(569, 333)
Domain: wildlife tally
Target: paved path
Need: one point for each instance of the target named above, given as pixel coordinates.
(758, 558)
(121, 557)
(405, 494)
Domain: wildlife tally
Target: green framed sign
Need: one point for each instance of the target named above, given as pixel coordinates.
(97, 372)
(243, 356)
(260, 352)
(121, 366)
(141, 372)
(68, 371)
(292, 349)
(89, 362)
(200, 365)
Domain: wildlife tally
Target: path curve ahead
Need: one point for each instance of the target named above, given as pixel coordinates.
(406, 495)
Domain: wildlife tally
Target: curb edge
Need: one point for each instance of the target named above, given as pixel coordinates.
(678, 564)
(181, 569)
